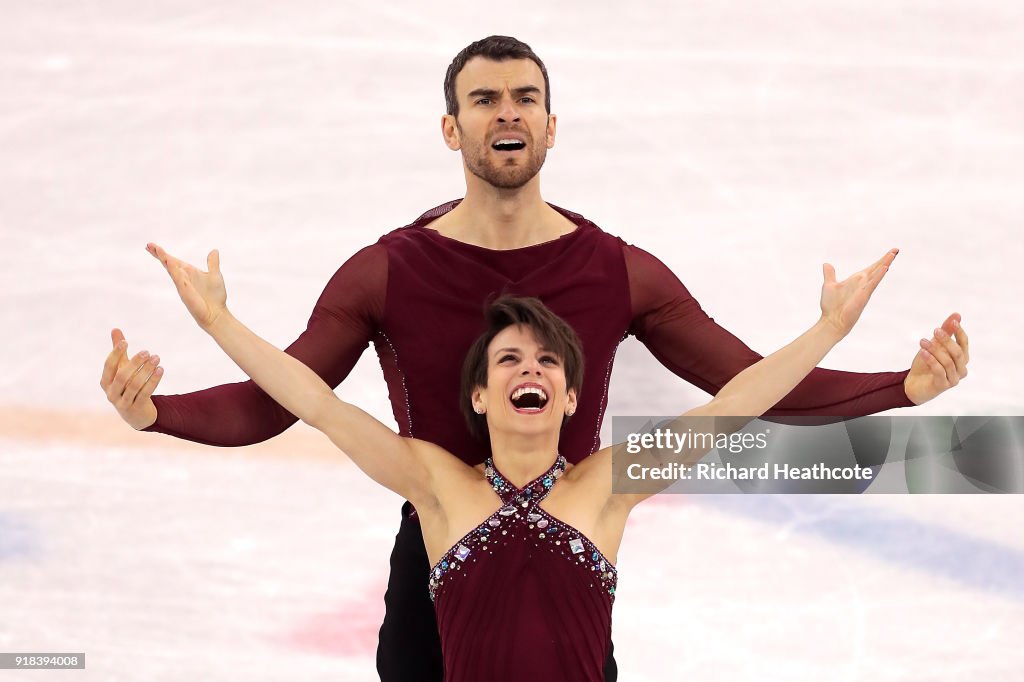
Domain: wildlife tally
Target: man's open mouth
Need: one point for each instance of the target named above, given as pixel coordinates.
(508, 145)
(529, 399)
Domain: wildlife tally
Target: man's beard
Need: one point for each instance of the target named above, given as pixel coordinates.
(481, 163)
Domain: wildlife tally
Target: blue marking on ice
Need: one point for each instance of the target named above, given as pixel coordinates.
(16, 537)
(971, 561)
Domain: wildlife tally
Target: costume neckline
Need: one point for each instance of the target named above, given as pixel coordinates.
(521, 519)
(422, 225)
(533, 492)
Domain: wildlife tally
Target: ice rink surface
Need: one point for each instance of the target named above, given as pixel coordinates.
(743, 143)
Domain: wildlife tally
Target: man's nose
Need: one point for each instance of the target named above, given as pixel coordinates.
(509, 112)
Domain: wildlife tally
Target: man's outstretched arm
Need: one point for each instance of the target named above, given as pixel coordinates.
(397, 463)
(343, 322)
(670, 322)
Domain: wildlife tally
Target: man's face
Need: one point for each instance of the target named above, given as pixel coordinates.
(502, 128)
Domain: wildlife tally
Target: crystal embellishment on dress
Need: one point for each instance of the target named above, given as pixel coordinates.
(521, 511)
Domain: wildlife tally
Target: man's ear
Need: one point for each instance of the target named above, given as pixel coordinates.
(549, 133)
(450, 132)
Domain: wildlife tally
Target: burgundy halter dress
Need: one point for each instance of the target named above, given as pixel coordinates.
(523, 596)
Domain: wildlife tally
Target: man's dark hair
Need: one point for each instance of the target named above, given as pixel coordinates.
(551, 332)
(498, 48)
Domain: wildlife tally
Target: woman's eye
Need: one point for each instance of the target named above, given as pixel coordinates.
(550, 360)
(505, 358)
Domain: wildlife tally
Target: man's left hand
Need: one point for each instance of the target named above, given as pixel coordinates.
(940, 364)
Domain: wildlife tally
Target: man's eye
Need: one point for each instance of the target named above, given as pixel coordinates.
(528, 100)
(484, 100)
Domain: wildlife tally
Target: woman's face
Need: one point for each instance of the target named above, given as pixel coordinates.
(526, 391)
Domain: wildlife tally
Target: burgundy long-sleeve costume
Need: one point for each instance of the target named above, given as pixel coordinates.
(419, 298)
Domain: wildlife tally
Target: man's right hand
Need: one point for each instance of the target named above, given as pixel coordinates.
(129, 383)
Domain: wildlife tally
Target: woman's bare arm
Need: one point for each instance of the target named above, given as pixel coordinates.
(396, 463)
(757, 388)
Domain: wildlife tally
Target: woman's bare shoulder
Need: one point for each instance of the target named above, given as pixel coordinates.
(442, 463)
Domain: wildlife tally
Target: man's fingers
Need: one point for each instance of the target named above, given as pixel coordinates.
(962, 340)
(213, 262)
(954, 350)
(950, 324)
(937, 370)
(139, 379)
(151, 383)
(829, 272)
(940, 353)
(127, 370)
(114, 359)
(953, 327)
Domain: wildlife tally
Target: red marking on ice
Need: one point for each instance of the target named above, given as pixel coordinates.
(350, 629)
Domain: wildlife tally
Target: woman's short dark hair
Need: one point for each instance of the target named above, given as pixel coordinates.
(498, 48)
(551, 331)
